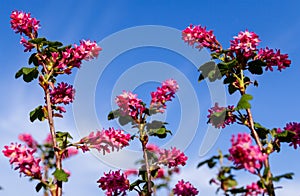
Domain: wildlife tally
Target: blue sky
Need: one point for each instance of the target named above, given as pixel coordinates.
(275, 100)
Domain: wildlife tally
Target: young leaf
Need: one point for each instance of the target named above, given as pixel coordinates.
(39, 186)
(37, 40)
(60, 175)
(113, 114)
(287, 176)
(29, 74)
(255, 67)
(209, 70)
(244, 102)
(37, 113)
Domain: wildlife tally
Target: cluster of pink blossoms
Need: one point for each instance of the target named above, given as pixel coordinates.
(295, 128)
(114, 182)
(185, 188)
(199, 35)
(23, 23)
(163, 94)
(22, 158)
(254, 190)
(105, 139)
(28, 139)
(224, 116)
(71, 57)
(171, 158)
(244, 155)
(245, 44)
(62, 93)
(273, 59)
(130, 105)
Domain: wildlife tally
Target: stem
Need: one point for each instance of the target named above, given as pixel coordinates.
(58, 159)
(270, 185)
(144, 141)
(269, 182)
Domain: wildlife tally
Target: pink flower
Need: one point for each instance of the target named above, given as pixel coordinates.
(254, 190)
(87, 50)
(105, 139)
(131, 172)
(153, 148)
(163, 94)
(114, 182)
(22, 158)
(295, 128)
(200, 36)
(172, 157)
(244, 155)
(160, 173)
(28, 46)
(273, 59)
(130, 105)
(245, 44)
(221, 116)
(63, 93)
(28, 139)
(71, 151)
(185, 189)
(22, 23)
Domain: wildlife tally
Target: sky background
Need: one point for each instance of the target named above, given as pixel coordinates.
(275, 100)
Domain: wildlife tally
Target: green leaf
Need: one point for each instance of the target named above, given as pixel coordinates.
(60, 175)
(261, 131)
(157, 128)
(37, 113)
(39, 186)
(113, 114)
(33, 59)
(235, 191)
(63, 134)
(210, 162)
(62, 139)
(286, 176)
(136, 183)
(29, 74)
(227, 67)
(255, 67)
(209, 70)
(123, 120)
(244, 102)
(53, 44)
(37, 40)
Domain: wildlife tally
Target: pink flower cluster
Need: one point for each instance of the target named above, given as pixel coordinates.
(62, 93)
(23, 23)
(200, 36)
(28, 46)
(114, 182)
(273, 59)
(221, 116)
(104, 140)
(22, 158)
(245, 44)
(254, 190)
(244, 155)
(163, 94)
(185, 188)
(65, 61)
(87, 50)
(28, 139)
(172, 158)
(130, 105)
(295, 128)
